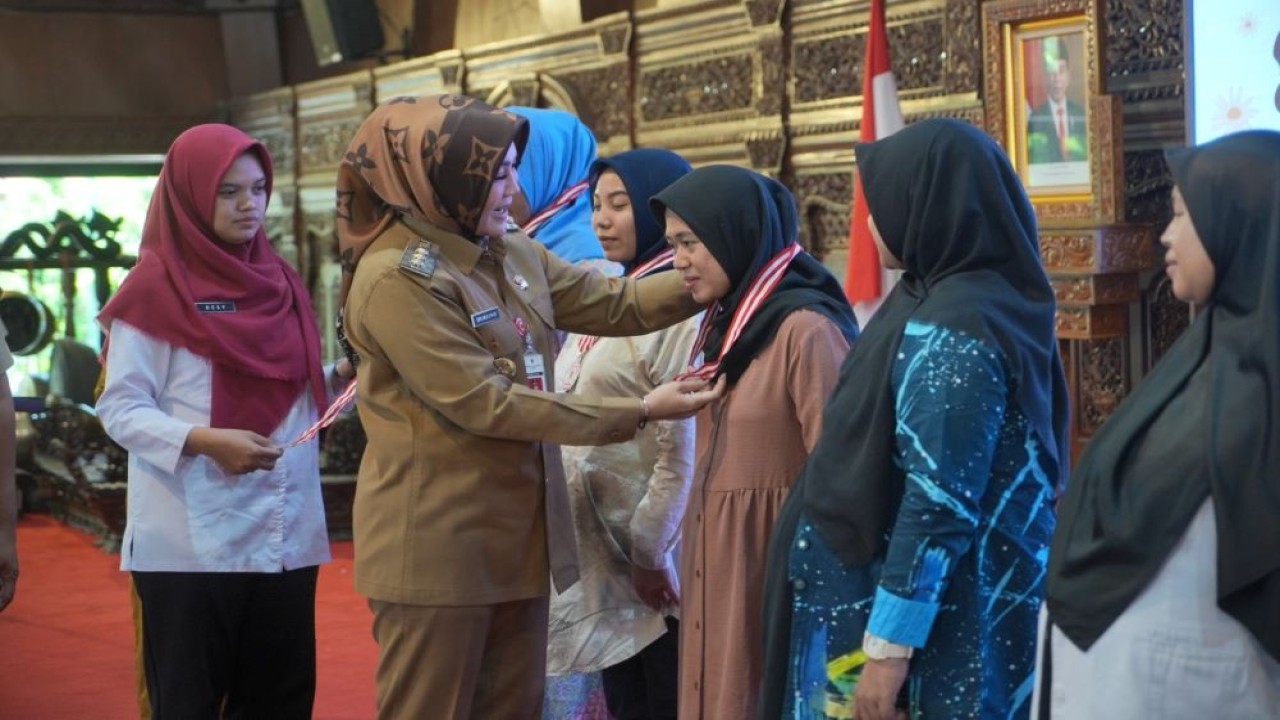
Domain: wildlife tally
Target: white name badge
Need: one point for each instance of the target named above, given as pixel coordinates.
(535, 371)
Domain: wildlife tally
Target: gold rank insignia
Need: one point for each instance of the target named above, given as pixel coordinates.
(419, 258)
(506, 367)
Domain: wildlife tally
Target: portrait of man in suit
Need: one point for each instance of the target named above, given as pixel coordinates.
(1057, 129)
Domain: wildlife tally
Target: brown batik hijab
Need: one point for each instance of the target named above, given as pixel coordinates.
(431, 158)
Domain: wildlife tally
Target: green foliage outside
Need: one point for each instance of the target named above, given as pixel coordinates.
(37, 200)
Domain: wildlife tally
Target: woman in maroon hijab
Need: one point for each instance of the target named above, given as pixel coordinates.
(213, 371)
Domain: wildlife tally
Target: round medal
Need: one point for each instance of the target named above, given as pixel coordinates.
(506, 367)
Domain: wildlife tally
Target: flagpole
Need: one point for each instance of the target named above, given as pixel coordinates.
(866, 282)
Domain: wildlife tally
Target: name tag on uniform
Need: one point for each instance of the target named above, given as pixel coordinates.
(216, 306)
(484, 317)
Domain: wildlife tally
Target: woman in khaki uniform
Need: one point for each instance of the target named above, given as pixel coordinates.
(461, 512)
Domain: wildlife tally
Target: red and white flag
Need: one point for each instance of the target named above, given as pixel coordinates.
(866, 282)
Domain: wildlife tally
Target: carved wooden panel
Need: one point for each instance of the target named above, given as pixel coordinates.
(439, 73)
(824, 226)
(936, 57)
(834, 186)
(1142, 36)
(772, 85)
(832, 67)
(604, 100)
(828, 68)
(710, 83)
(1096, 289)
(615, 38)
(1166, 318)
(329, 113)
(585, 71)
(825, 209)
(964, 47)
(702, 87)
(763, 12)
(765, 150)
(270, 118)
(1110, 249)
(1092, 321)
(916, 58)
(1146, 187)
(1144, 65)
(323, 143)
(1102, 374)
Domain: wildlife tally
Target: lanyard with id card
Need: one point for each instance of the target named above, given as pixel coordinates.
(535, 370)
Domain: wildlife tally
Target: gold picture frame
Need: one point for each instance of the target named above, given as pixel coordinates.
(1045, 104)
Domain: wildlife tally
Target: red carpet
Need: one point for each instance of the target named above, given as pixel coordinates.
(66, 642)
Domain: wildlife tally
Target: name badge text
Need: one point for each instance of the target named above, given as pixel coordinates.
(216, 306)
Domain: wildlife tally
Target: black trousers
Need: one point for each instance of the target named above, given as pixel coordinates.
(643, 687)
(229, 645)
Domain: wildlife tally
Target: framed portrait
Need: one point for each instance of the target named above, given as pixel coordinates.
(1051, 119)
(1044, 103)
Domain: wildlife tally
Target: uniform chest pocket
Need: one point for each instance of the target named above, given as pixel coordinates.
(540, 303)
(500, 337)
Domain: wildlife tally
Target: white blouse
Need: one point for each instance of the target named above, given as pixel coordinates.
(628, 501)
(185, 513)
(6, 359)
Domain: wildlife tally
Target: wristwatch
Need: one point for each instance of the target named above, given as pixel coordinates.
(877, 648)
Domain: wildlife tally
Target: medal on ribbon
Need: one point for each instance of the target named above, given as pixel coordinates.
(763, 284)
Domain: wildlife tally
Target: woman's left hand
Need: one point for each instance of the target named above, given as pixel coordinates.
(659, 589)
(877, 694)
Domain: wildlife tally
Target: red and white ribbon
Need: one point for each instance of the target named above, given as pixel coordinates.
(761, 287)
(566, 197)
(666, 257)
(336, 408)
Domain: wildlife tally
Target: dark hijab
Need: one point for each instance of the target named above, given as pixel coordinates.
(644, 172)
(430, 158)
(1134, 494)
(745, 219)
(950, 207)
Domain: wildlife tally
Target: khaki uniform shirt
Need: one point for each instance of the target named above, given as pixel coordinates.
(460, 498)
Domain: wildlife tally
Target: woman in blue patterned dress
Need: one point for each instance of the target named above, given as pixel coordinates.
(907, 570)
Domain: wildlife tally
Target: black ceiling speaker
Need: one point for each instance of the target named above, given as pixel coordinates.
(342, 29)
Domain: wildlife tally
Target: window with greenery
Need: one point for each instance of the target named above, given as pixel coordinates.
(40, 201)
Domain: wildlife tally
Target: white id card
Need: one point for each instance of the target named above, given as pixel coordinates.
(535, 371)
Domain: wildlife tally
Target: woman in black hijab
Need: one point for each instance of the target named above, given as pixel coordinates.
(906, 571)
(620, 618)
(1164, 575)
(777, 326)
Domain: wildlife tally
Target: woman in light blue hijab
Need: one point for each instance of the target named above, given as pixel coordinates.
(554, 180)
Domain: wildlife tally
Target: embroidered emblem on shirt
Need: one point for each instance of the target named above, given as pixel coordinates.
(506, 367)
(216, 306)
(419, 258)
(484, 317)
